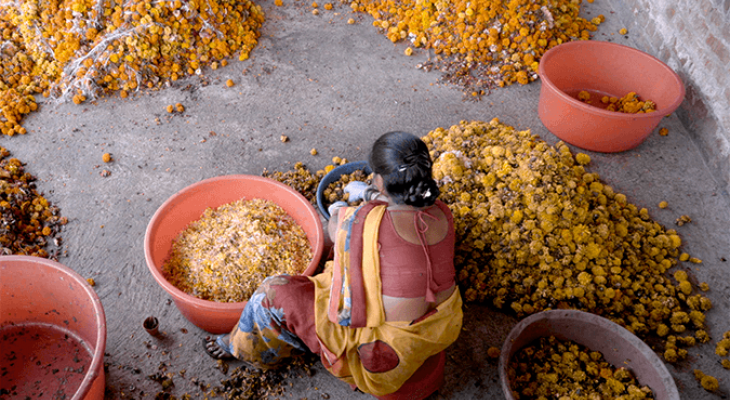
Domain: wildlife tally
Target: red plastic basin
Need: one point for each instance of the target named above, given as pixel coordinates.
(603, 69)
(188, 205)
(52, 331)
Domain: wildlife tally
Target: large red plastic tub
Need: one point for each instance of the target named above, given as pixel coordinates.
(603, 69)
(52, 331)
(188, 205)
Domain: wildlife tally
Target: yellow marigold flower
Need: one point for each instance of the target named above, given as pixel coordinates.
(709, 383)
(685, 287)
(681, 275)
(722, 347)
(582, 158)
(676, 241)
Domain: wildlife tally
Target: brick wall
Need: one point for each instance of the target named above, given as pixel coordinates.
(693, 38)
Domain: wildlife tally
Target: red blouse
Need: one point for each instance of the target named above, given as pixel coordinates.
(415, 270)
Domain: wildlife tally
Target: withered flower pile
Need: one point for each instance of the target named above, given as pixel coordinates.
(226, 254)
(300, 178)
(250, 383)
(79, 49)
(629, 104)
(304, 181)
(536, 231)
(29, 223)
(551, 368)
(480, 44)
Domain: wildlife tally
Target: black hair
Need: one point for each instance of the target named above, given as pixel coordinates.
(402, 159)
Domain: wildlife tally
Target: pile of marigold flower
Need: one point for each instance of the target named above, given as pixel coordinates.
(536, 231)
(29, 223)
(480, 44)
(79, 49)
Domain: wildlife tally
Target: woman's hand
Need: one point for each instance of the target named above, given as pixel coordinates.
(332, 209)
(334, 221)
(356, 190)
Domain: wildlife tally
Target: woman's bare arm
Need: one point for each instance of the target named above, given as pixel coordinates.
(332, 224)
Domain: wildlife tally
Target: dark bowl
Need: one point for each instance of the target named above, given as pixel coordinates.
(619, 347)
(334, 176)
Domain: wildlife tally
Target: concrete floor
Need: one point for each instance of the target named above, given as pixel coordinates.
(334, 87)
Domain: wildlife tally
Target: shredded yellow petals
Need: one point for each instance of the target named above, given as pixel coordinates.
(226, 254)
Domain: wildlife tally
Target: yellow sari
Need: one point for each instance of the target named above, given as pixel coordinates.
(357, 344)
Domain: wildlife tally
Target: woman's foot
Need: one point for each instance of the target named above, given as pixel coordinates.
(214, 350)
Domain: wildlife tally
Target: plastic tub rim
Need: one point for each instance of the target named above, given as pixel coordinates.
(201, 304)
(545, 79)
(97, 358)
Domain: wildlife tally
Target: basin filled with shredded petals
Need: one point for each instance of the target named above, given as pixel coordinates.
(230, 250)
(218, 277)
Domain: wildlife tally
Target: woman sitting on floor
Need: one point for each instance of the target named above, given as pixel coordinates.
(386, 303)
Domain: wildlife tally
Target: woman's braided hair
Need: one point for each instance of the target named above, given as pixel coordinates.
(402, 159)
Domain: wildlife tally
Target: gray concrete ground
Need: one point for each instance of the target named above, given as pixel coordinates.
(334, 87)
